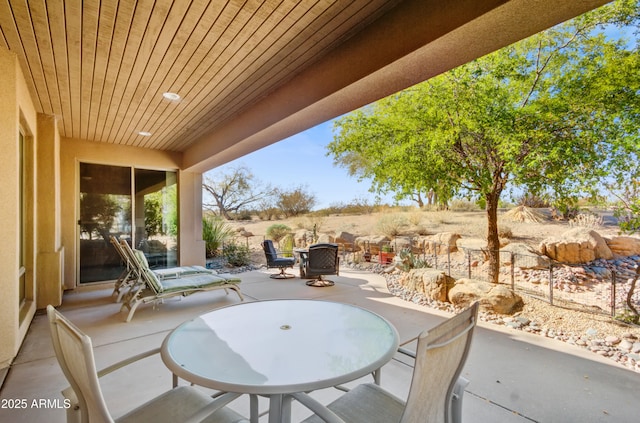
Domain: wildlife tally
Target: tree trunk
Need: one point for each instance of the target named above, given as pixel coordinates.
(493, 241)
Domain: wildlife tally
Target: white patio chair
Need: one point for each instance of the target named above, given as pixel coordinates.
(435, 386)
(74, 352)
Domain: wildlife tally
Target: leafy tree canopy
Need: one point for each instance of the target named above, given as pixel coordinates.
(557, 111)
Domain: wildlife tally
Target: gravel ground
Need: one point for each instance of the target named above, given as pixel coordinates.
(599, 334)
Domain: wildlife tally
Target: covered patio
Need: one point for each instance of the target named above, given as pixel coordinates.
(515, 376)
(94, 83)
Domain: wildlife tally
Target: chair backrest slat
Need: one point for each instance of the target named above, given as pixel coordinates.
(74, 352)
(323, 258)
(440, 357)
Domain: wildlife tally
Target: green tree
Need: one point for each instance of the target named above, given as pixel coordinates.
(536, 114)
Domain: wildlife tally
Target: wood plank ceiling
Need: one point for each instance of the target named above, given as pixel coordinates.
(101, 66)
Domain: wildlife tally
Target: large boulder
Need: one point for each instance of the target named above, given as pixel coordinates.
(472, 243)
(442, 243)
(495, 298)
(346, 238)
(432, 283)
(523, 256)
(302, 238)
(373, 243)
(624, 246)
(577, 245)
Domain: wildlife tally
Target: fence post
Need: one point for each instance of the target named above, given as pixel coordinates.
(513, 272)
(435, 256)
(613, 293)
(551, 282)
(468, 262)
(449, 261)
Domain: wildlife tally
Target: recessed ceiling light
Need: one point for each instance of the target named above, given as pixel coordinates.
(144, 133)
(171, 96)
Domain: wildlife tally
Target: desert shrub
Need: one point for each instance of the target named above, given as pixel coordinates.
(422, 230)
(533, 201)
(215, 231)
(463, 205)
(236, 254)
(391, 225)
(587, 220)
(505, 232)
(564, 212)
(410, 261)
(240, 215)
(415, 218)
(277, 231)
(440, 217)
(295, 202)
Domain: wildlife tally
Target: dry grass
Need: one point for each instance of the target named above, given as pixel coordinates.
(467, 224)
(524, 214)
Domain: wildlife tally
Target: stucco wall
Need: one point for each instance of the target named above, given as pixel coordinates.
(16, 110)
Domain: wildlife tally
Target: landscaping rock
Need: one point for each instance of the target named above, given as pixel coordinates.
(303, 238)
(577, 245)
(442, 243)
(526, 256)
(372, 242)
(495, 298)
(433, 284)
(345, 238)
(624, 246)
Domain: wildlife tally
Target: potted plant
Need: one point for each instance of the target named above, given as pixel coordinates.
(386, 254)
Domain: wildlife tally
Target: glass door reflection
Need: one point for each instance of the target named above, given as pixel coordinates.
(105, 209)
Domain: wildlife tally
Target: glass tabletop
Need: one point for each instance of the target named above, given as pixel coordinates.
(280, 346)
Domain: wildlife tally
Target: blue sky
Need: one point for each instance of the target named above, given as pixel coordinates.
(302, 160)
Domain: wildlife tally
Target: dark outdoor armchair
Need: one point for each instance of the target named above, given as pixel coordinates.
(321, 260)
(273, 261)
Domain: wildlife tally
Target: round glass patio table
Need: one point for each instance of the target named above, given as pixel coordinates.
(279, 347)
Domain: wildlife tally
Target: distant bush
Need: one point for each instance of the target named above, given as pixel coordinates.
(391, 225)
(415, 218)
(505, 232)
(463, 205)
(277, 231)
(236, 254)
(295, 202)
(587, 220)
(533, 201)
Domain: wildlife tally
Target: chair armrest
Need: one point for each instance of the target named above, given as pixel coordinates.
(126, 362)
(320, 410)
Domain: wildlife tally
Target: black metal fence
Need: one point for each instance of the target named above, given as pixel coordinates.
(599, 287)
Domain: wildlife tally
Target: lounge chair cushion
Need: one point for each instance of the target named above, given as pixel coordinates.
(174, 272)
(177, 272)
(194, 282)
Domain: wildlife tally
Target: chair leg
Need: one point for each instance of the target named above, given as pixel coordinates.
(320, 282)
(282, 275)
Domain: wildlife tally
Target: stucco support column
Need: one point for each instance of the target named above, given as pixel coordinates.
(50, 253)
(192, 247)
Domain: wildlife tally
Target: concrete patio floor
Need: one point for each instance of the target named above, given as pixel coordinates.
(515, 376)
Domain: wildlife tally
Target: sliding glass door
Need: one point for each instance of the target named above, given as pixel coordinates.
(156, 216)
(137, 205)
(105, 209)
